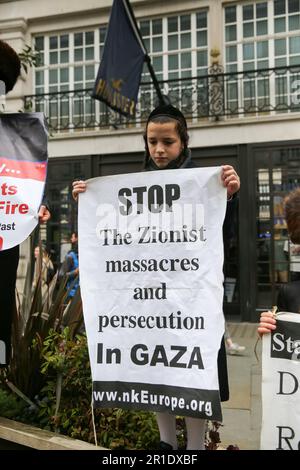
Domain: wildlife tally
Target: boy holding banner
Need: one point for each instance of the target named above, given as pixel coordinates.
(166, 144)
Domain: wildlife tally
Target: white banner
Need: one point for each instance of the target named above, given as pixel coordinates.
(281, 385)
(151, 275)
(23, 170)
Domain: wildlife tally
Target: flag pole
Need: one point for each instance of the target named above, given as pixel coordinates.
(138, 35)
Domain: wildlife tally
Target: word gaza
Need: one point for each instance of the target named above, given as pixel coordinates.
(178, 356)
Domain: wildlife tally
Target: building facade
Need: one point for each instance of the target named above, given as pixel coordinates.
(233, 67)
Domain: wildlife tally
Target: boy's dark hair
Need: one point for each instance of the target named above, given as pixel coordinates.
(10, 66)
(292, 215)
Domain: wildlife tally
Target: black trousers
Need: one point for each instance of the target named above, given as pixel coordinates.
(9, 260)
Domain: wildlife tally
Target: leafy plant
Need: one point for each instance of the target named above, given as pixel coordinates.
(34, 318)
(29, 58)
(10, 405)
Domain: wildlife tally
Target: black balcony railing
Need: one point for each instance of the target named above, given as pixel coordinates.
(214, 96)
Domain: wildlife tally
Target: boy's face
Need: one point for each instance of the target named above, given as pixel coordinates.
(164, 143)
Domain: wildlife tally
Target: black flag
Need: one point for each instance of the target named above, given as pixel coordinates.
(120, 70)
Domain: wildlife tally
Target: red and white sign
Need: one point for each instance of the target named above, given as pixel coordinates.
(22, 175)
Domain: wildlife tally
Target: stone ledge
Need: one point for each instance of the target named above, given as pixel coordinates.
(39, 439)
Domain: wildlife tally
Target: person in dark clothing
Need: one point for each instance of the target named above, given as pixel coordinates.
(289, 294)
(10, 67)
(70, 269)
(166, 147)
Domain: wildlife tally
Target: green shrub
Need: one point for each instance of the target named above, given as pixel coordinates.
(10, 405)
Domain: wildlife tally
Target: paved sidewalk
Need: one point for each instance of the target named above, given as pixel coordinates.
(242, 413)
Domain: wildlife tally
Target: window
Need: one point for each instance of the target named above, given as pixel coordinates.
(177, 45)
(261, 35)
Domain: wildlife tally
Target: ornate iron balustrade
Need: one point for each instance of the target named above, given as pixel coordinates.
(214, 96)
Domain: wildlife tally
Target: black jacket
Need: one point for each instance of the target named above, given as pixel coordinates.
(289, 297)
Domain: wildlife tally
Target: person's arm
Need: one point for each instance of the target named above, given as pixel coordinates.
(44, 214)
(78, 187)
(231, 180)
(44, 211)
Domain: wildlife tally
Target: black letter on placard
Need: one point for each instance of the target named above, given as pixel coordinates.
(285, 438)
(281, 392)
(127, 209)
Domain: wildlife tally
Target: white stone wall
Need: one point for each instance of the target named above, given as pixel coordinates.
(19, 20)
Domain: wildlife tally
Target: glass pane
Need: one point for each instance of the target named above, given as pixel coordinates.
(186, 74)
(248, 51)
(173, 24)
(280, 47)
(294, 45)
(89, 53)
(202, 59)
(89, 72)
(280, 62)
(78, 55)
(201, 38)
(102, 34)
(249, 66)
(157, 27)
(185, 41)
(263, 87)
(185, 22)
(78, 74)
(295, 60)
(145, 28)
(247, 12)
(279, 25)
(230, 14)
(294, 22)
(262, 49)
(157, 44)
(64, 57)
(262, 10)
(89, 37)
(231, 54)
(39, 43)
(262, 64)
(53, 58)
(39, 78)
(173, 42)
(157, 63)
(230, 33)
(53, 75)
(64, 41)
(279, 7)
(201, 19)
(53, 42)
(78, 39)
(186, 60)
(173, 62)
(64, 75)
(261, 28)
(293, 6)
(248, 30)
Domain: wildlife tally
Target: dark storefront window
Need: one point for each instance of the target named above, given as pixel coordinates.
(277, 173)
(63, 220)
